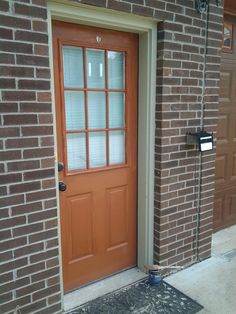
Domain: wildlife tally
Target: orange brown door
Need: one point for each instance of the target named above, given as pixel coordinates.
(225, 184)
(95, 74)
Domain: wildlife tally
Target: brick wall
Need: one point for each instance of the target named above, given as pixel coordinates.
(29, 271)
(29, 264)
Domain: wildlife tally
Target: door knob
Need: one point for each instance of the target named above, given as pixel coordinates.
(60, 166)
(62, 186)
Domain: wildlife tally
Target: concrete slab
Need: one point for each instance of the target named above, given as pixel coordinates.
(212, 282)
(101, 287)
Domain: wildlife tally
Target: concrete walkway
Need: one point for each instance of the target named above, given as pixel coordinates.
(212, 282)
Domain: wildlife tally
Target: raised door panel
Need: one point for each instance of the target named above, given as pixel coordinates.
(223, 128)
(221, 169)
(117, 217)
(80, 227)
(225, 85)
(232, 206)
(219, 210)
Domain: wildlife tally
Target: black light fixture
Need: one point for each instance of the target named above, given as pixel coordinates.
(201, 5)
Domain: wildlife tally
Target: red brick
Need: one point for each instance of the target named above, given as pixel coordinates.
(27, 229)
(31, 36)
(16, 71)
(6, 33)
(30, 269)
(10, 155)
(40, 26)
(37, 130)
(8, 107)
(48, 184)
(11, 200)
(18, 95)
(45, 118)
(39, 174)
(33, 306)
(45, 274)
(38, 152)
(43, 215)
(6, 58)
(55, 298)
(31, 11)
(12, 21)
(10, 178)
(120, 6)
(29, 289)
(47, 141)
(25, 187)
(11, 46)
(21, 142)
(35, 107)
(41, 50)
(34, 84)
(97, 3)
(43, 73)
(11, 244)
(42, 235)
(6, 256)
(3, 190)
(7, 297)
(13, 285)
(23, 165)
(28, 250)
(32, 60)
(43, 96)
(4, 5)
(48, 163)
(20, 119)
(6, 234)
(46, 292)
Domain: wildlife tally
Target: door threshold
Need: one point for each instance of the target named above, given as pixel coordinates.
(101, 287)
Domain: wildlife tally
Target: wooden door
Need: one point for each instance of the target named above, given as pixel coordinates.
(225, 195)
(95, 73)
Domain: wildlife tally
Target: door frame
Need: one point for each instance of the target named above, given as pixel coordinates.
(147, 30)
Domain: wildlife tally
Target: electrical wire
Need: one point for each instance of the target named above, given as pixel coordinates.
(198, 205)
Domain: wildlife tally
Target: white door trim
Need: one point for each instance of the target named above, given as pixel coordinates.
(72, 12)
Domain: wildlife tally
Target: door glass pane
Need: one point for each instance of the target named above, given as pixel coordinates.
(73, 67)
(96, 110)
(97, 149)
(116, 110)
(76, 151)
(74, 110)
(95, 68)
(117, 147)
(116, 69)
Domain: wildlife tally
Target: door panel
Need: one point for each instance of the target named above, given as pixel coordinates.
(224, 211)
(95, 74)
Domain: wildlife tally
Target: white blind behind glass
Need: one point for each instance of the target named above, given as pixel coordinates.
(73, 66)
(76, 151)
(117, 147)
(74, 110)
(97, 149)
(116, 110)
(96, 110)
(95, 68)
(116, 65)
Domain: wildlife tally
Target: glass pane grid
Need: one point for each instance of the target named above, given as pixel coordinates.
(97, 131)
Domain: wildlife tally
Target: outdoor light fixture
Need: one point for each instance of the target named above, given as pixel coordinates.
(201, 5)
(202, 139)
